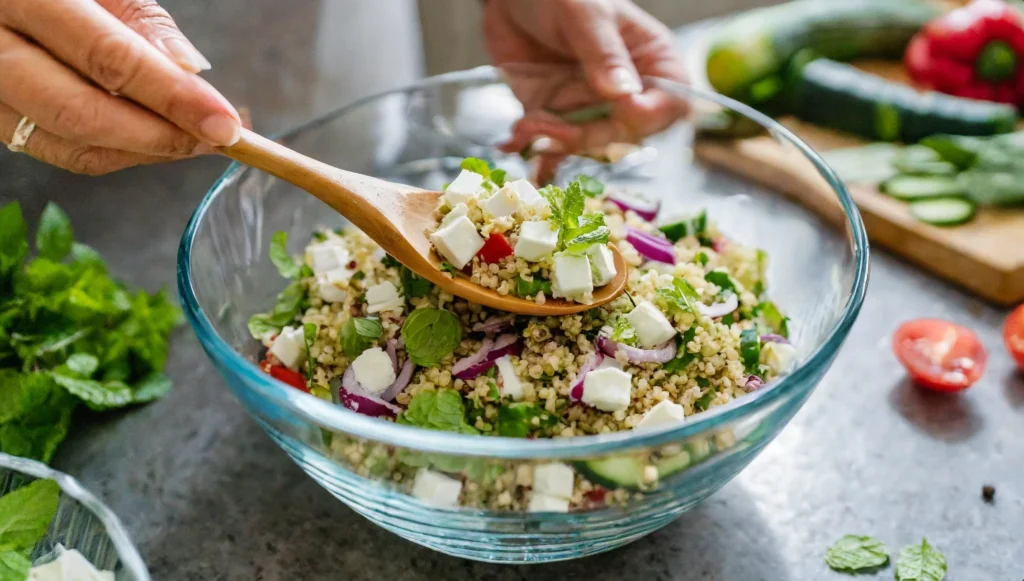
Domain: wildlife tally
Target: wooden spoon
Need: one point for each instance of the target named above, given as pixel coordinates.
(398, 217)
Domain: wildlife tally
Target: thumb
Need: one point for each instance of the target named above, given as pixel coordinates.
(153, 23)
(593, 34)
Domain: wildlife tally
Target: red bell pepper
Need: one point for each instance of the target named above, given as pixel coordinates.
(975, 52)
(283, 374)
(496, 248)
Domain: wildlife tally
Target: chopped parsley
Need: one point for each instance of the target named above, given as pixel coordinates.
(750, 351)
(520, 419)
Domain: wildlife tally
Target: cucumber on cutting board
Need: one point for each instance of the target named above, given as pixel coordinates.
(909, 188)
(839, 96)
(749, 54)
(943, 211)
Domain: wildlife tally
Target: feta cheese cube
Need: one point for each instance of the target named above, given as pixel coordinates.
(652, 327)
(383, 297)
(608, 389)
(545, 503)
(781, 357)
(503, 203)
(457, 211)
(537, 239)
(666, 412)
(555, 479)
(528, 195)
(602, 264)
(570, 276)
(327, 256)
(70, 565)
(289, 347)
(458, 241)
(374, 370)
(328, 283)
(464, 187)
(436, 489)
(510, 384)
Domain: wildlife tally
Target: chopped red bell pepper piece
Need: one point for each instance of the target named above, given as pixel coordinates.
(975, 52)
(496, 248)
(292, 378)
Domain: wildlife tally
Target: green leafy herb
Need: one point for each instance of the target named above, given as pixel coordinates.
(441, 410)
(390, 262)
(477, 166)
(762, 273)
(518, 420)
(855, 554)
(285, 264)
(308, 338)
(13, 243)
(82, 364)
(680, 295)
(35, 414)
(498, 177)
(99, 396)
(54, 236)
(358, 334)
(920, 562)
(774, 319)
(590, 186)
(414, 286)
(704, 402)
(449, 268)
(26, 514)
(431, 335)
(750, 350)
(530, 288)
(623, 332)
(721, 279)
(591, 230)
(702, 258)
(14, 566)
(151, 388)
(290, 304)
(494, 394)
(567, 208)
(683, 356)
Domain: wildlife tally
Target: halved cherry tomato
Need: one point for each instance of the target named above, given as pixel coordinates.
(496, 248)
(1013, 335)
(940, 355)
(292, 378)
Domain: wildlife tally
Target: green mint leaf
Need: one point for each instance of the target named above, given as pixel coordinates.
(442, 410)
(750, 350)
(87, 256)
(701, 258)
(498, 177)
(920, 562)
(477, 166)
(414, 286)
(290, 304)
(390, 262)
(580, 244)
(704, 402)
(35, 414)
(530, 288)
(623, 332)
(518, 420)
(683, 357)
(590, 186)
(359, 334)
(151, 388)
(13, 242)
(721, 279)
(26, 514)
(99, 396)
(14, 566)
(854, 554)
(285, 264)
(431, 335)
(680, 295)
(449, 268)
(54, 236)
(771, 317)
(82, 364)
(309, 331)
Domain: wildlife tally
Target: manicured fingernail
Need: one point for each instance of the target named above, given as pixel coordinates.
(186, 55)
(220, 129)
(547, 145)
(625, 81)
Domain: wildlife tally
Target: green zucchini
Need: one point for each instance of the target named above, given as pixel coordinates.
(750, 53)
(943, 211)
(907, 187)
(840, 96)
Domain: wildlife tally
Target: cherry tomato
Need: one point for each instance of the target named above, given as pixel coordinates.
(292, 378)
(1013, 335)
(940, 355)
(496, 248)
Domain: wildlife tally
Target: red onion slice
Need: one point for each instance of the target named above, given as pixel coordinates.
(720, 244)
(465, 363)
(494, 324)
(753, 383)
(773, 338)
(354, 398)
(401, 382)
(720, 309)
(576, 391)
(506, 344)
(663, 354)
(646, 209)
(651, 247)
(392, 354)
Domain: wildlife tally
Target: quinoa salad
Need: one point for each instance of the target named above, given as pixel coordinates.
(693, 331)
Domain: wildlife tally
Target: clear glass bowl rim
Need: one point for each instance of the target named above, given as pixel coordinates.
(341, 419)
(126, 551)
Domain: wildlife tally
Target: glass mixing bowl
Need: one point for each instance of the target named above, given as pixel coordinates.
(82, 522)
(418, 135)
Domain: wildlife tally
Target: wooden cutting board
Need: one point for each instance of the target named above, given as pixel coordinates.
(986, 255)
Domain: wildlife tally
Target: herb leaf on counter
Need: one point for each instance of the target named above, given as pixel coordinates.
(920, 562)
(854, 553)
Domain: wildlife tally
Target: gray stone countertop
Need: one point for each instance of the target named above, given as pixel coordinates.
(207, 495)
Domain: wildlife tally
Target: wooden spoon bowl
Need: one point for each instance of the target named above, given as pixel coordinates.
(397, 217)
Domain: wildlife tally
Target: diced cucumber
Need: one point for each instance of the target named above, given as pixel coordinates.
(943, 211)
(689, 226)
(671, 464)
(615, 471)
(921, 160)
(699, 449)
(910, 188)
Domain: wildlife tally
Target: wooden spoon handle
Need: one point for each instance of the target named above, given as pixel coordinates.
(257, 151)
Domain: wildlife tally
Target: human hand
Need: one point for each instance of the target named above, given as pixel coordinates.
(110, 84)
(541, 46)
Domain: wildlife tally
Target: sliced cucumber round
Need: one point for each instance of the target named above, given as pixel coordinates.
(905, 187)
(671, 464)
(943, 211)
(613, 472)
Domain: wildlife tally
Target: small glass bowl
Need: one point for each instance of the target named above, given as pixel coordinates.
(418, 135)
(82, 522)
